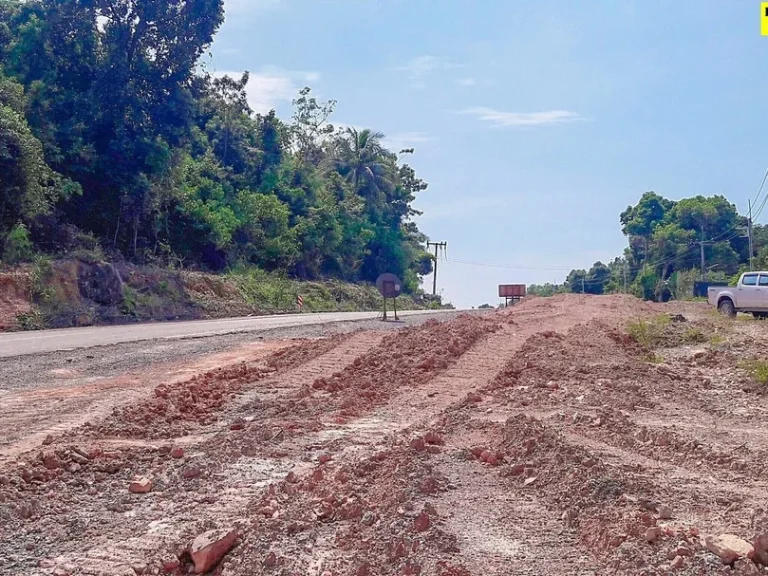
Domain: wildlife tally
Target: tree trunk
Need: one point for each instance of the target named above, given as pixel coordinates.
(135, 234)
(117, 224)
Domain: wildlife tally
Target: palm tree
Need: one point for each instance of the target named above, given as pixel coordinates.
(361, 158)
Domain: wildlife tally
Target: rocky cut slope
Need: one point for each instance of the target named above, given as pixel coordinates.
(86, 292)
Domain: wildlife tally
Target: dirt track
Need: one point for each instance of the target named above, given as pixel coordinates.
(538, 440)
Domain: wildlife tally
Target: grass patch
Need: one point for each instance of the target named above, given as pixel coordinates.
(42, 272)
(692, 335)
(277, 293)
(648, 333)
(745, 318)
(757, 369)
(716, 340)
(130, 301)
(32, 320)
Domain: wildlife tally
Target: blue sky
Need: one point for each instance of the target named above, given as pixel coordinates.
(535, 122)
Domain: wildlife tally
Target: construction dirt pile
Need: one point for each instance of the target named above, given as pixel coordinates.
(177, 409)
(567, 436)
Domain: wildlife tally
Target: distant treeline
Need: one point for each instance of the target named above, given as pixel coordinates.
(663, 256)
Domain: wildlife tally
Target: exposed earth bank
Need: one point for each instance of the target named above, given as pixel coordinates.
(87, 292)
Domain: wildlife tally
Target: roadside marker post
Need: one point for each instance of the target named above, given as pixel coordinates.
(389, 286)
(300, 302)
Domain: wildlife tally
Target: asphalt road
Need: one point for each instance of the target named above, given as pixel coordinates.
(25, 343)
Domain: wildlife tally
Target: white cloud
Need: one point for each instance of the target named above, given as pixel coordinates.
(506, 119)
(466, 81)
(271, 86)
(422, 66)
(401, 140)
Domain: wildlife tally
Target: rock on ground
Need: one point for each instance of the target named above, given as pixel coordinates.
(207, 549)
(140, 485)
(729, 548)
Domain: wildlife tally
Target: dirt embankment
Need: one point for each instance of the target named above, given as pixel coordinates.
(539, 440)
(73, 292)
(15, 298)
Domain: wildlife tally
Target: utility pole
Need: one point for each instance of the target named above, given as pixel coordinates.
(437, 246)
(582, 285)
(703, 269)
(749, 231)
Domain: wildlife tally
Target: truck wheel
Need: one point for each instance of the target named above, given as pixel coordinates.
(726, 307)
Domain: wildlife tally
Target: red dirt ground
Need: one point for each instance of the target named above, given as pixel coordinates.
(538, 440)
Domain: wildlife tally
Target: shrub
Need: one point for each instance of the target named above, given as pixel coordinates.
(648, 333)
(757, 369)
(18, 247)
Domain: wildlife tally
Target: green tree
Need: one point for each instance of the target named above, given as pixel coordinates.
(576, 281)
(545, 290)
(172, 162)
(641, 219)
(18, 247)
(311, 127)
(671, 245)
(360, 156)
(109, 88)
(597, 278)
(28, 187)
(713, 217)
(264, 238)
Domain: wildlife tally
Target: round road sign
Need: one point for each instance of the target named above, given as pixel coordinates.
(389, 285)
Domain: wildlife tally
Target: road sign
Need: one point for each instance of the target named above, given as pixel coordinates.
(389, 286)
(511, 292)
(300, 301)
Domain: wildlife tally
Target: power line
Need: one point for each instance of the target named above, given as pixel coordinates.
(762, 207)
(757, 198)
(759, 211)
(689, 249)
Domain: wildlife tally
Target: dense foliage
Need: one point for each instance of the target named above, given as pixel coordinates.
(663, 256)
(112, 138)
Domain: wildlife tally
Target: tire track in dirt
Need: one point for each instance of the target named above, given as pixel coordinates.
(654, 454)
(421, 408)
(323, 366)
(54, 411)
(234, 480)
(222, 491)
(498, 530)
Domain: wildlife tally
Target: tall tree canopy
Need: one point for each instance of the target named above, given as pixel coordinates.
(109, 129)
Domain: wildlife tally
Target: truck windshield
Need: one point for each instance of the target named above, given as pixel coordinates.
(750, 280)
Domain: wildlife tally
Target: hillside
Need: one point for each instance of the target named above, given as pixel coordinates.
(71, 292)
(115, 151)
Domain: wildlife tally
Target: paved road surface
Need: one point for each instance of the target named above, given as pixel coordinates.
(22, 343)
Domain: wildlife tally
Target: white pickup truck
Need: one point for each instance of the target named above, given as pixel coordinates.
(749, 295)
